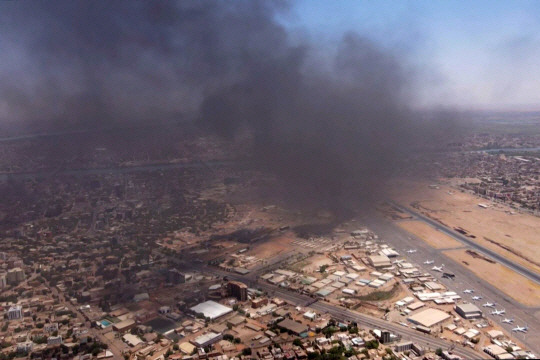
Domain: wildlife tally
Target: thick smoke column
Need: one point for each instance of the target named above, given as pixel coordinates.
(330, 133)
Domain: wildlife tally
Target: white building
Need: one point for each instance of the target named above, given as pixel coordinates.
(25, 346)
(54, 340)
(14, 312)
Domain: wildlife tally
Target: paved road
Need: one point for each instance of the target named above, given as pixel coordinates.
(532, 275)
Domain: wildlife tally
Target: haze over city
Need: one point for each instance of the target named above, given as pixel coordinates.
(235, 180)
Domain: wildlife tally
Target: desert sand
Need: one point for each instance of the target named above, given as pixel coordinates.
(500, 228)
(429, 234)
(508, 281)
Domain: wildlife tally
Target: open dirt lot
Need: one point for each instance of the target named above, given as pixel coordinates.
(273, 247)
(514, 285)
(499, 228)
(430, 235)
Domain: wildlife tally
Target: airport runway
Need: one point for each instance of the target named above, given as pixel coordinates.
(402, 240)
(532, 275)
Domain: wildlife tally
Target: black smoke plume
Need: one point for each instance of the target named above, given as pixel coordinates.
(330, 130)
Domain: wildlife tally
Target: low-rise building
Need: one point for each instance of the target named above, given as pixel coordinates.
(468, 311)
(207, 339)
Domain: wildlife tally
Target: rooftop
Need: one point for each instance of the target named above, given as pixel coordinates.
(211, 309)
(429, 317)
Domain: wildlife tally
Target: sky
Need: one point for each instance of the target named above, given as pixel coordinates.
(86, 60)
(466, 54)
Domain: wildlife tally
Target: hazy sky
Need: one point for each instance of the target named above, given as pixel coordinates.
(480, 54)
(69, 59)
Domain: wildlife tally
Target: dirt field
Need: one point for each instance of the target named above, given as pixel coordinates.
(430, 235)
(499, 228)
(273, 246)
(514, 285)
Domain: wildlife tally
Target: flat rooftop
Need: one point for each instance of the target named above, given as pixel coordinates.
(429, 317)
(211, 309)
(468, 308)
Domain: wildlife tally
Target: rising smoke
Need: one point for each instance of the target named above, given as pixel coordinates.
(328, 132)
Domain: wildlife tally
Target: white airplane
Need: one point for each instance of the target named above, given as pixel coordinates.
(429, 262)
(476, 297)
(411, 251)
(521, 329)
(488, 304)
(508, 321)
(498, 312)
(437, 268)
(468, 291)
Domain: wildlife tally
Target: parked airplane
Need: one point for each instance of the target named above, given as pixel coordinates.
(410, 251)
(521, 329)
(468, 291)
(437, 268)
(429, 262)
(508, 321)
(476, 297)
(488, 304)
(498, 312)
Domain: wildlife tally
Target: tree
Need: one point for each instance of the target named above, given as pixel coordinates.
(297, 342)
(438, 351)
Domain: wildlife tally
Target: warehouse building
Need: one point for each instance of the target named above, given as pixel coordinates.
(468, 311)
(211, 309)
(429, 317)
(207, 339)
(379, 261)
(294, 327)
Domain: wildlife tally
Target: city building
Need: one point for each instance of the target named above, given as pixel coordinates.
(15, 276)
(207, 339)
(238, 290)
(259, 302)
(176, 277)
(124, 326)
(403, 346)
(54, 340)
(294, 327)
(14, 313)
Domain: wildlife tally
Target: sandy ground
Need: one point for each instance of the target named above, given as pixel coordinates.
(514, 285)
(273, 247)
(315, 262)
(514, 236)
(430, 235)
